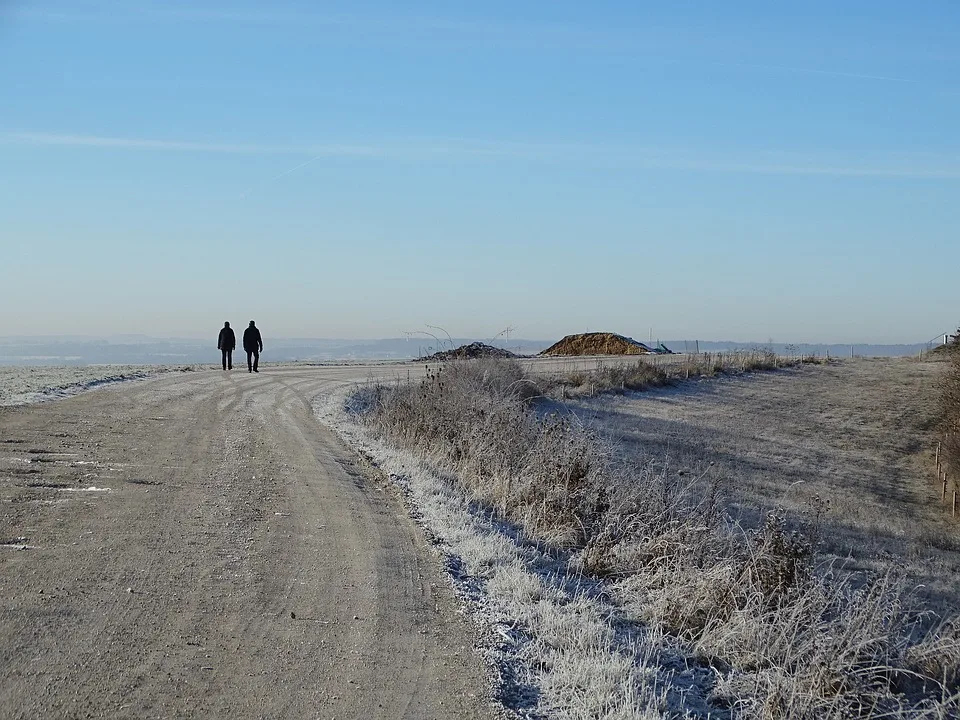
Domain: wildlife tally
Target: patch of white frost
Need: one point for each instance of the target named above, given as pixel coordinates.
(23, 385)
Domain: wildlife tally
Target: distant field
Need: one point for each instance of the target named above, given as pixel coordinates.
(850, 440)
(22, 385)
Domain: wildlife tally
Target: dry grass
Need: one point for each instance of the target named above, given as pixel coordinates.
(784, 641)
(651, 373)
(950, 409)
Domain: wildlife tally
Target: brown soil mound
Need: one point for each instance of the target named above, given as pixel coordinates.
(948, 349)
(943, 350)
(471, 352)
(597, 343)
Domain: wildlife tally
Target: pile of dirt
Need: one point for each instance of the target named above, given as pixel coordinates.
(597, 343)
(944, 351)
(947, 349)
(471, 352)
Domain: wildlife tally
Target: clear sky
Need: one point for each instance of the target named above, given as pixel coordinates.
(713, 170)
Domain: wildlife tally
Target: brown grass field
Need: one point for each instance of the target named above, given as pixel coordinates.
(850, 444)
(782, 529)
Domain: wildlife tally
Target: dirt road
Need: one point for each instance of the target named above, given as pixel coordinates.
(197, 545)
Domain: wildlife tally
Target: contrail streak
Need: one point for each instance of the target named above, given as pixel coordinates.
(272, 180)
(811, 71)
(293, 169)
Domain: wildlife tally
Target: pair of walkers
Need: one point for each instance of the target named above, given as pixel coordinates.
(252, 344)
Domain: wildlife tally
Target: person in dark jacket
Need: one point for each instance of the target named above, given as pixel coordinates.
(225, 344)
(253, 344)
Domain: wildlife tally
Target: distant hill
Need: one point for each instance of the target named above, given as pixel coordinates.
(145, 350)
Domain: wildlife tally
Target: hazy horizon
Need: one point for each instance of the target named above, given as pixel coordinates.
(423, 337)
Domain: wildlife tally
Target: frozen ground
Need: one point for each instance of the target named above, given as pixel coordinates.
(197, 545)
(20, 385)
(849, 441)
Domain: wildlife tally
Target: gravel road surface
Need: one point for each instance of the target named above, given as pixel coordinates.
(197, 545)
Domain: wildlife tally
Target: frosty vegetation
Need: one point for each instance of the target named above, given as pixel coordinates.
(651, 372)
(774, 635)
(950, 404)
(20, 385)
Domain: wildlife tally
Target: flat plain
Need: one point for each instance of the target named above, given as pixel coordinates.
(846, 448)
(20, 385)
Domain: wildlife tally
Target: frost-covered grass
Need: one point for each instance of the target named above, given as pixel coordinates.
(848, 448)
(624, 585)
(656, 371)
(557, 646)
(950, 410)
(20, 385)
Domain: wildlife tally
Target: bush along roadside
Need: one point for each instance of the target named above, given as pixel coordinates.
(782, 639)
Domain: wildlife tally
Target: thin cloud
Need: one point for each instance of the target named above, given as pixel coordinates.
(380, 27)
(245, 194)
(430, 148)
(817, 170)
(569, 155)
(813, 71)
(126, 143)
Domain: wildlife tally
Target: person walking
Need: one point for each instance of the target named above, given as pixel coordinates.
(253, 344)
(225, 344)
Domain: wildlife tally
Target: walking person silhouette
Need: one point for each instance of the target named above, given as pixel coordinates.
(253, 344)
(225, 344)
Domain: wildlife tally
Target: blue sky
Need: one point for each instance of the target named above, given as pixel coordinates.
(739, 170)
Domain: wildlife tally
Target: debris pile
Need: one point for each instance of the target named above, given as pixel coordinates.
(471, 352)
